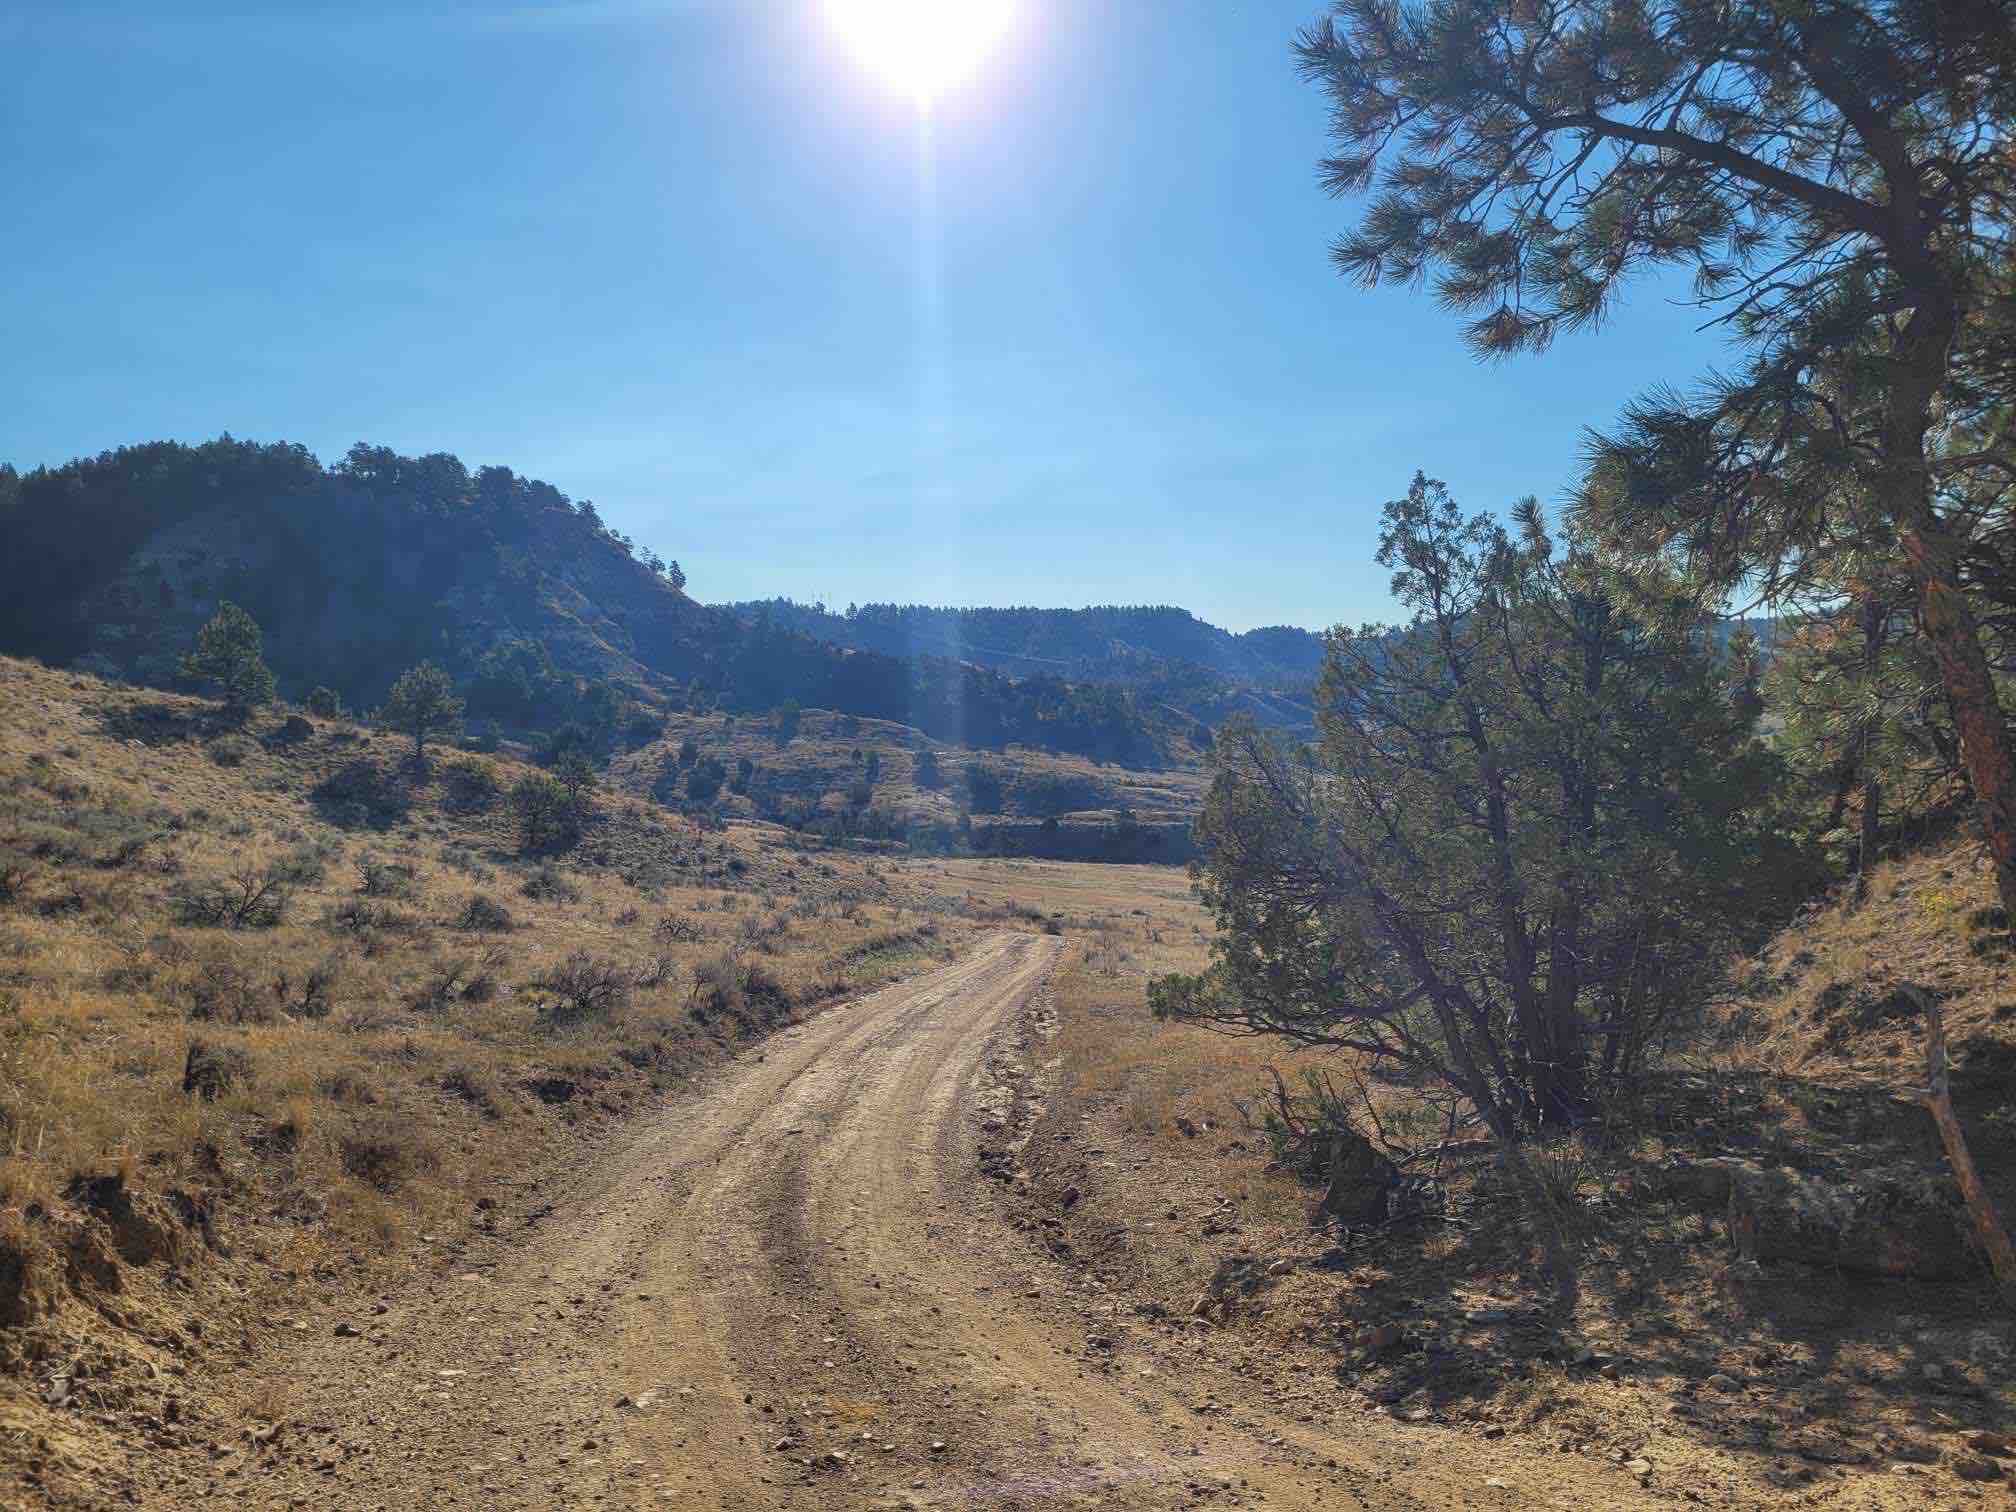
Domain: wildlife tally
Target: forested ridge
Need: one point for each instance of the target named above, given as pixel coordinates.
(542, 612)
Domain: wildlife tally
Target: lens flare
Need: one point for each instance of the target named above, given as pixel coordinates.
(921, 46)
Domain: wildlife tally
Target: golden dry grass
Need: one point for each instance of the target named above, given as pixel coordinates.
(399, 1059)
(1823, 1000)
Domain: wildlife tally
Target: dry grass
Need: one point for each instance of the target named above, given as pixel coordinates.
(1826, 1001)
(395, 993)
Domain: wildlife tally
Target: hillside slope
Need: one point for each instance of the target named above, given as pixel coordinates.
(278, 1013)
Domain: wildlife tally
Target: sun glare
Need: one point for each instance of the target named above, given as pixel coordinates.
(921, 46)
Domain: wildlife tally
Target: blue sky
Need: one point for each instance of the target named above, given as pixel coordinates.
(687, 259)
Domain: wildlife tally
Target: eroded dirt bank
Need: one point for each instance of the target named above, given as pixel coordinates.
(798, 1290)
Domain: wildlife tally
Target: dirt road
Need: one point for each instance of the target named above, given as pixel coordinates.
(797, 1290)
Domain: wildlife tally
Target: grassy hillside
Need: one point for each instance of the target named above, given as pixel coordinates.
(275, 1010)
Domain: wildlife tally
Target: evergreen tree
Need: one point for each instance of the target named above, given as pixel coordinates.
(1534, 828)
(1835, 176)
(423, 704)
(227, 652)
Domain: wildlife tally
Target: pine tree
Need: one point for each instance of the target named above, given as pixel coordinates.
(228, 651)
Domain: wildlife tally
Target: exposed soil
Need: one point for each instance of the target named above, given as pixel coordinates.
(801, 1288)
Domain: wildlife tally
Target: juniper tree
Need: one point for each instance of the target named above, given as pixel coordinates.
(1834, 174)
(1533, 824)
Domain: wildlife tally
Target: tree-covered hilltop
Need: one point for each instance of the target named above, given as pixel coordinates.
(1167, 655)
(546, 618)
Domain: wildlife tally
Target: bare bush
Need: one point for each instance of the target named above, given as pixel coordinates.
(584, 987)
(550, 885)
(386, 879)
(459, 979)
(483, 914)
(222, 991)
(658, 971)
(250, 898)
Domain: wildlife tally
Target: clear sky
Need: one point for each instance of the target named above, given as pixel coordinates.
(1077, 341)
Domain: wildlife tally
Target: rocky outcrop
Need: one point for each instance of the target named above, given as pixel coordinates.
(1882, 1223)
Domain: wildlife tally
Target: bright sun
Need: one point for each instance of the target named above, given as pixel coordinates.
(922, 46)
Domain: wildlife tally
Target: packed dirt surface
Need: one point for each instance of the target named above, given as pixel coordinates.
(799, 1289)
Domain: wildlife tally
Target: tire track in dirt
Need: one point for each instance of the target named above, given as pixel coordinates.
(805, 1255)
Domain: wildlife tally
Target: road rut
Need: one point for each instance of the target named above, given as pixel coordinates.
(795, 1290)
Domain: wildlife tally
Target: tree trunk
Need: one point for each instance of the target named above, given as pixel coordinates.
(1970, 689)
(1872, 825)
(1875, 619)
(1921, 359)
(1939, 1098)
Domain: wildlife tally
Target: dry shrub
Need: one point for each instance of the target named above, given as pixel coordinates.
(716, 986)
(483, 914)
(385, 1152)
(550, 885)
(222, 991)
(318, 989)
(250, 898)
(459, 979)
(658, 971)
(386, 879)
(584, 987)
(211, 1070)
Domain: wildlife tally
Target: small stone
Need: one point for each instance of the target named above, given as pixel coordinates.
(937, 1446)
(1976, 1468)
(348, 1331)
(1988, 1443)
(1281, 1268)
(1723, 1382)
(1639, 1467)
(784, 1444)
(1379, 1340)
